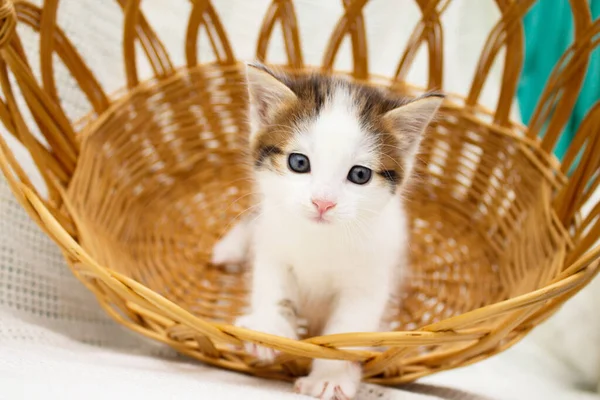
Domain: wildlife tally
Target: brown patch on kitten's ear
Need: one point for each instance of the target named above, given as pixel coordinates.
(291, 101)
(410, 120)
(267, 94)
(404, 126)
(399, 124)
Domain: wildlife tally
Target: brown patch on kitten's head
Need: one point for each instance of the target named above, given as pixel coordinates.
(281, 104)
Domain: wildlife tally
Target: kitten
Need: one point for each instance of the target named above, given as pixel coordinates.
(330, 160)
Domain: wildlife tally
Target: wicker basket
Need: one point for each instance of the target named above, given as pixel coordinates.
(137, 191)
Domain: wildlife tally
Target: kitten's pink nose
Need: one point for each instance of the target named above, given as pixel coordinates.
(323, 205)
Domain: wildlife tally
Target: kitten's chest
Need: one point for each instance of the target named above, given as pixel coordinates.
(322, 265)
(316, 284)
(321, 254)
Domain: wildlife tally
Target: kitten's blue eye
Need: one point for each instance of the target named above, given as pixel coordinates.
(299, 163)
(359, 175)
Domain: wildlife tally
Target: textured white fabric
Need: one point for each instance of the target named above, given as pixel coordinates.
(573, 333)
(55, 341)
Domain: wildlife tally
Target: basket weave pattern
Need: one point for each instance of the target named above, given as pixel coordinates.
(141, 189)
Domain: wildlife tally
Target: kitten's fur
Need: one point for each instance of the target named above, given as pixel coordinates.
(337, 266)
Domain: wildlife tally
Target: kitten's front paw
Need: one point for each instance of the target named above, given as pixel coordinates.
(272, 323)
(340, 381)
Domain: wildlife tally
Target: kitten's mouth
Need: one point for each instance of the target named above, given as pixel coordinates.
(320, 219)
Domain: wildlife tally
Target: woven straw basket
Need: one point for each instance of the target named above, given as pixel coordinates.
(141, 189)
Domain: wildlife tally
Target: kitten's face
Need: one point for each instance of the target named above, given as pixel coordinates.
(328, 159)
(329, 151)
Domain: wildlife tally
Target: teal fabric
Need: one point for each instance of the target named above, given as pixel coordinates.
(548, 33)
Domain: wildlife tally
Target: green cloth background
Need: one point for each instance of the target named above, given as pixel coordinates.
(548, 33)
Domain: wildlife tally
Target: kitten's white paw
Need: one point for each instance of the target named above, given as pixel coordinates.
(229, 252)
(272, 323)
(340, 382)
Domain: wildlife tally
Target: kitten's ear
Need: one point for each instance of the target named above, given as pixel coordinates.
(411, 120)
(266, 94)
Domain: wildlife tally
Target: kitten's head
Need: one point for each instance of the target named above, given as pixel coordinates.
(329, 150)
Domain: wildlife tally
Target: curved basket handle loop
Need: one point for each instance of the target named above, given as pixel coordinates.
(584, 181)
(49, 118)
(560, 94)
(47, 27)
(507, 33)
(203, 13)
(136, 27)
(12, 118)
(58, 162)
(54, 41)
(8, 21)
(282, 10)
(429, 30)
(352, 23)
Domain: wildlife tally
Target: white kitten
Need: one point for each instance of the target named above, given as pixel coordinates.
(329, 242)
